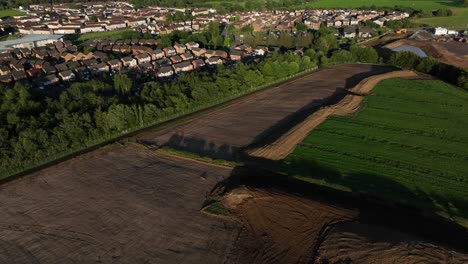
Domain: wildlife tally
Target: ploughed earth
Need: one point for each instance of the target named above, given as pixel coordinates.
(129, 204)
(224, 133)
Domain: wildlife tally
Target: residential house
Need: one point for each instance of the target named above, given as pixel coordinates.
(191, 45)
(18, 75)
(99, 68)
(236, 55)
(260, 50)
(67, 75)
(179, 48)
(143, 58)
(169, 51)
(129, 62)
(198, 63)
(49, 80)
(156, 54)
(165, 71)
(164, 62)
(145, 66)
(49, 70)
(7, 78)
(89, 62)
(68, 57)
(184, 66)
(4, 70)
(198, 52)
(349, 32)
(115, 64)
(175, 59)
(214, 60)
(73, 65)
(61, 67)
(210, 53)
(187, 56)
(221, 53)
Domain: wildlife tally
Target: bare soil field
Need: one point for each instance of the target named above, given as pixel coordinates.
(280, 228)
(453, 53)
(361, 243)
(350, 104)
(120, 204)
(224, 133)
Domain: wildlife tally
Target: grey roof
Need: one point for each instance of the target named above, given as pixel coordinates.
(8, 44)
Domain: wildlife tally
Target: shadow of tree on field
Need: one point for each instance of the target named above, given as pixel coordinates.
(378, 188)
(278, 129)
(202, 147)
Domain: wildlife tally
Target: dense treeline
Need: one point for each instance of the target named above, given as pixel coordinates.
(36, 127)
(449, 73)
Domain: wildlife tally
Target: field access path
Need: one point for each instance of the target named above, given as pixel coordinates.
(350, 104)
(224, 133)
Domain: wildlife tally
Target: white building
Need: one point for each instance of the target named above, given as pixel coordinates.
(439, 31)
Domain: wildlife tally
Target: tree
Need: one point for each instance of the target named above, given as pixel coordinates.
(362, 54)
(122, 84)
(214, 35)
(342, 56)
(404, 59)
(165, 41)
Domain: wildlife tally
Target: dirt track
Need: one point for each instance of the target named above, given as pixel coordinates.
(280, 228)
(121, 204)
(224, 133)
(359, 243)
(284, 145)
(453, 53)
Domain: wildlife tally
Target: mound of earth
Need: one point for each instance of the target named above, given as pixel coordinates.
(361, 243)
(280, 228)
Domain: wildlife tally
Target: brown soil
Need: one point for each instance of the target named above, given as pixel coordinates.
(223, 134)
(119, 204)
(280, 228)
(360, 243)
(285, 144)
(453, 53)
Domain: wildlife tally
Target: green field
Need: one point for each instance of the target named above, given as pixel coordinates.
(458, 21)
(416, 4)
(115, 35)
(10, 12)
(408, 146)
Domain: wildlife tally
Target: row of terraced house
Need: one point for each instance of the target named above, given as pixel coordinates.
(61, 62)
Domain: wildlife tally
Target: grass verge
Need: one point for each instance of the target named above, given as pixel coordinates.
(194, 156)
(217, 208)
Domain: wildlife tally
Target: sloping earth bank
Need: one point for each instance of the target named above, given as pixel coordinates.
(280, 228)
(361, 243)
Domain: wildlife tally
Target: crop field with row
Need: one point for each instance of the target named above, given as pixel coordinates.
(407, 146)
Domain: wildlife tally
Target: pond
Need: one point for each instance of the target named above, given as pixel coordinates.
(413, 49)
